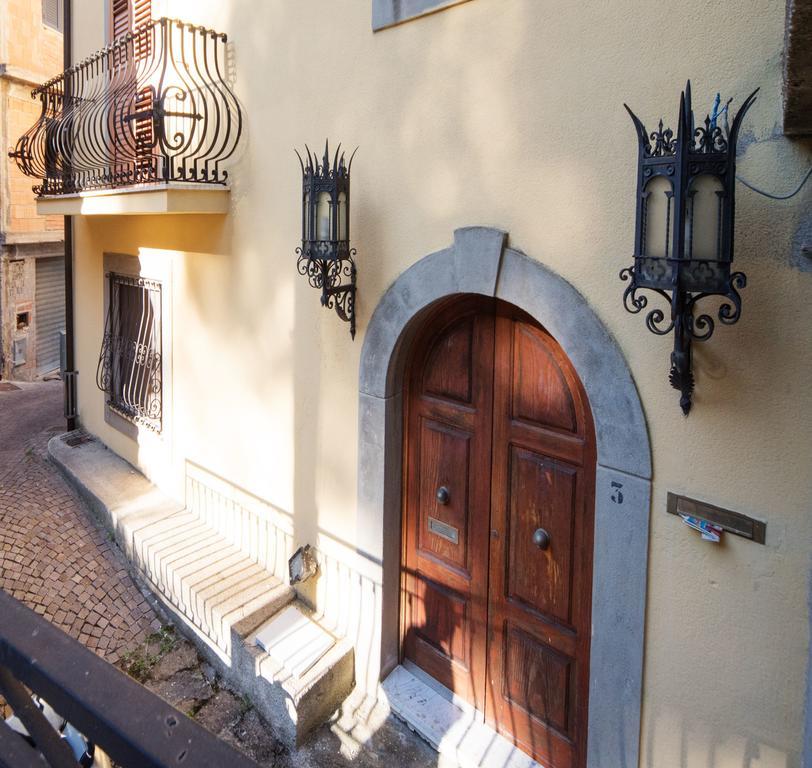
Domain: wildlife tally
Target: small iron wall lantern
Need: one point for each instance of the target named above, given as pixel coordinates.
(683, 245)
(325, 256)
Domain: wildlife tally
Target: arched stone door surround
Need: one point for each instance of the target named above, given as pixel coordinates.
(480, 262)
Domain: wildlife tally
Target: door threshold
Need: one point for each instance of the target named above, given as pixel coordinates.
(458, 733)
(445, 693)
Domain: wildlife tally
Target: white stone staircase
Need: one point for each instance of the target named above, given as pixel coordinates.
(220, 592)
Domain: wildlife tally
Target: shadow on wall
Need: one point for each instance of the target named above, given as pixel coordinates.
(431, 113)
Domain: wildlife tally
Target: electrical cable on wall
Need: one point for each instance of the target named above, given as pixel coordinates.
(718, 111)
(777, 197)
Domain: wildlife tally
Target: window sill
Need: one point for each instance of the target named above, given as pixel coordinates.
(390, 13)
(143, 200)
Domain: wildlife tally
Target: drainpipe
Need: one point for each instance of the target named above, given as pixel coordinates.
(69, 373)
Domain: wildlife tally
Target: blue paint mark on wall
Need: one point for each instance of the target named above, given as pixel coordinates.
(801, 252)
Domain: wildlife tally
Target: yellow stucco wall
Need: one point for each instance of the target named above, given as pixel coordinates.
(505, 113)
(30, 51)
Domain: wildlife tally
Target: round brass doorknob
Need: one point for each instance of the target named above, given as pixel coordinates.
(541, 538)
(442, 495)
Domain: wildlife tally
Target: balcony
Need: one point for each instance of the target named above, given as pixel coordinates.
(146, 125)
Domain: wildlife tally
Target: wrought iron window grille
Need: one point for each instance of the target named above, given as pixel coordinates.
(129, 368)
(154, 106)
(684, 232)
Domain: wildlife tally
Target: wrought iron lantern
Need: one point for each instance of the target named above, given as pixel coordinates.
(683, 246)
(325, 256)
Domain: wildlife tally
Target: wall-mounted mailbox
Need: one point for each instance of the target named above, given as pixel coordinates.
(19, 351)
(732, 522)
(303, 564)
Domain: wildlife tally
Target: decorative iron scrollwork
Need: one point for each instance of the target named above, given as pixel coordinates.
(664, 142)
(154, 106)
(130, 361)
(680, 256)
(325, 256)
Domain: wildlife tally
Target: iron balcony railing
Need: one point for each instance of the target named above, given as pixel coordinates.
(133, 727)
(154, 106)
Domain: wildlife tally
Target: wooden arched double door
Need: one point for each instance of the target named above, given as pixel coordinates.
(499, 476)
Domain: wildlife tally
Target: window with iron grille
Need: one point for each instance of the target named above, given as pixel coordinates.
(129, 369)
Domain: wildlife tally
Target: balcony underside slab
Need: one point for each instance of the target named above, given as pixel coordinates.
(139, 200)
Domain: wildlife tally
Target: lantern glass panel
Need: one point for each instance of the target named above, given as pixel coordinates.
(704, 217)
(342, 216)
(324, 217)
(307, 217)
(658, 213)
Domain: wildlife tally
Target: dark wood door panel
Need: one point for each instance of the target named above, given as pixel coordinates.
(539, 598)
(557, 445)
(445, 461)
(449, 408)
(449, 370)
(541, 497)
(538, 698)
(496, 415)
(454, 414)
(538, 680)
(439, 637)
(540, 391)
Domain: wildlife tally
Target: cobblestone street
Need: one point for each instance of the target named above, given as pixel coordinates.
(53, 556)
(58, 561)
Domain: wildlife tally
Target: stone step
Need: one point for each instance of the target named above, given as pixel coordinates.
(215, 590)
(456, 731)
(201, 575)
(296, 705)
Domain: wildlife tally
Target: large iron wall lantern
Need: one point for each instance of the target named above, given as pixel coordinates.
(325, 256)
(683, 245)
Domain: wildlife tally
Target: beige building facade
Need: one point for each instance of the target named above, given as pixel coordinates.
(31, 246)
(495, 158)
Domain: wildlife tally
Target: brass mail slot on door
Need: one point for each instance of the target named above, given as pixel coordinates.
(444, 530)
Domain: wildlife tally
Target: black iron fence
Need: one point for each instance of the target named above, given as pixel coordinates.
(133, 727)
(155, 106)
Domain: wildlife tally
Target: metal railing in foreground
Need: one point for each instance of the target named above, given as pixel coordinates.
(133, 726)
(154, 106)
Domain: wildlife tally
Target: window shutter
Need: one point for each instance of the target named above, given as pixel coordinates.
(142, 12)
(120, 18)
(142, 16)
(128, 15)
(52, 13)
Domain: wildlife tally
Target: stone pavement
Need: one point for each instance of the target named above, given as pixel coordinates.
(170, 667)
(53, 555)
(58, 560)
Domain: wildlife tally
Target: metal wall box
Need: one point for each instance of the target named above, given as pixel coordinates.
(732, 522)
(19, 351)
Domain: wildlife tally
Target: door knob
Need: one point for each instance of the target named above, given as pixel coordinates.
(442, 495)
(541, 538)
